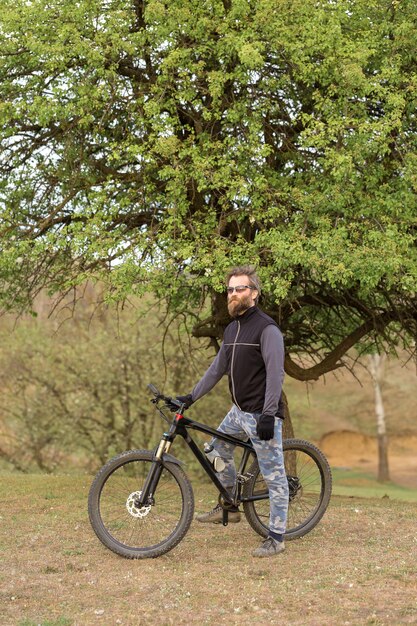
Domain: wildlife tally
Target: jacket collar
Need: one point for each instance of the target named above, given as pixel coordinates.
(247, 314)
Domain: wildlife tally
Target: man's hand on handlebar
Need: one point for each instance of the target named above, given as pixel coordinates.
(186, 401)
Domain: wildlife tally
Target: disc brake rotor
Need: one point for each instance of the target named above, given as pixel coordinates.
(133, 509)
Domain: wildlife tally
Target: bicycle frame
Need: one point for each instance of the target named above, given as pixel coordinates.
(180, 426)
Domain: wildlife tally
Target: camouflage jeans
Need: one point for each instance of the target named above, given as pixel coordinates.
(242, 425)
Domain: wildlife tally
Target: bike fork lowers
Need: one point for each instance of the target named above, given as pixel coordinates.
(154, 474)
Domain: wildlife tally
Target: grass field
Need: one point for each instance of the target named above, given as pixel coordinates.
(354, 483)
(357, 567)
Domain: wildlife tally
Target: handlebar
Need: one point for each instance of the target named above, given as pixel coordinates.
(172, 402)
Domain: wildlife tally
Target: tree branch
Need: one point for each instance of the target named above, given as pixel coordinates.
(332, 360)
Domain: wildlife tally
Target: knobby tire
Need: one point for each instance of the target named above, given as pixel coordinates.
(146, 532)
(310, 484)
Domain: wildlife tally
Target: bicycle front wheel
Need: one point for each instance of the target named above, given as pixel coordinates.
(148, 531)
(310, 485)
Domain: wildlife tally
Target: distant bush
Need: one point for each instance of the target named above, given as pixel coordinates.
(79, 395)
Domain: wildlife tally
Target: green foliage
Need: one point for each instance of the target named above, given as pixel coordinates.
(151, 145)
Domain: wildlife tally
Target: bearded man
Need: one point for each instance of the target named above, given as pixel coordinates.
(252, 355)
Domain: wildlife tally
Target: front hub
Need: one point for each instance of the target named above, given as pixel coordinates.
(132, 505)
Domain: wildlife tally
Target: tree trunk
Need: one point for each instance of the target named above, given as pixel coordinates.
(383, 467)
(376, 366)
(288, 433)
(287, 430)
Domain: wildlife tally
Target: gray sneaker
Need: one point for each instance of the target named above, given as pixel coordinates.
(269, 547)
(215, 516)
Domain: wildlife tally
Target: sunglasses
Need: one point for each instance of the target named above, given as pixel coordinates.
(238, 289)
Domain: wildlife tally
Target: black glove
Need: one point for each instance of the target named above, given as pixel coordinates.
(185, 400)
(265, 427)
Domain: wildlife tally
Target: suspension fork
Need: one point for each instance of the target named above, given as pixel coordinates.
(155, 471)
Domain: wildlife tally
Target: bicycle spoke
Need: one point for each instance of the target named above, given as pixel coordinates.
(135, 531)
(309, 482)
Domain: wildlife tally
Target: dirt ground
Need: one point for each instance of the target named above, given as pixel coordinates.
(355, 450)
(357, 567)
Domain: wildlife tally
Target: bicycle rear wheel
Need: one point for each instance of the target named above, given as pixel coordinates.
(145, 532)
(310, 485)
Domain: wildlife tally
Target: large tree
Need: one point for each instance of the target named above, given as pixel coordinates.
(152, 144)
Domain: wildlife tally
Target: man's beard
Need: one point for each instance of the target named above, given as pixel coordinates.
(237, 306)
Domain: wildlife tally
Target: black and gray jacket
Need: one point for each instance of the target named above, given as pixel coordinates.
(252, 354)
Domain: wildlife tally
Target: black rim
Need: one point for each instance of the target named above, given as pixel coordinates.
(139, 529)
(306, 488)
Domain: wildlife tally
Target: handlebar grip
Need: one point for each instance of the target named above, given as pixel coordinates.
(153, 389)
(160, 396)
(173, 401)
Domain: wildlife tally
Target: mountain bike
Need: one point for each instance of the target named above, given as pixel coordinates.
(141, 502)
